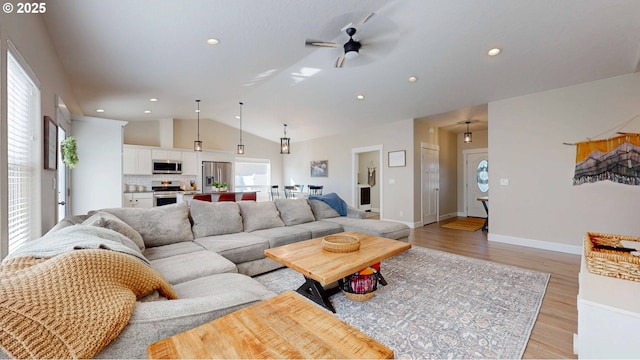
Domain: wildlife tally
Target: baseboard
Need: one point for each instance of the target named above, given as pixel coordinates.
(412, 225)
(447, 216)
(538, 244)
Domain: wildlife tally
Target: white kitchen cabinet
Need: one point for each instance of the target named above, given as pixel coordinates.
(608, 317)
(164, 154)
(136, 161)
(190, 163)
(139, 200)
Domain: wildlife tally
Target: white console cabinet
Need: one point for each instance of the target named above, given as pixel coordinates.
(608, 317)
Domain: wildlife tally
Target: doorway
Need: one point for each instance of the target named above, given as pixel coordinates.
(476, 175)
(430, 165)
(374, 153)
(63, 118)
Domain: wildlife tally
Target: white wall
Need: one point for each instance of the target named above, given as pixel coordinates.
(29, 35)
(540, 206)
(397, 197)
(97, 179)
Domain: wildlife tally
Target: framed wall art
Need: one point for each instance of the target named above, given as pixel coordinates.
(50, 144)
(320, 168)
(397, 158)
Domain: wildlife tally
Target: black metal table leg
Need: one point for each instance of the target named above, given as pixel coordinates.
(485, 226)
(315, 292)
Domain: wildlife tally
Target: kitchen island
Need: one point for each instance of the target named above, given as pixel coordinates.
(215, 196)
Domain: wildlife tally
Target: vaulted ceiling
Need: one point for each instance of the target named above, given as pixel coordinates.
(118, 54)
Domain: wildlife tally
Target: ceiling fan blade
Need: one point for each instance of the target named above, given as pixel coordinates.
(321, 43)
(365, 19)
(340, 61)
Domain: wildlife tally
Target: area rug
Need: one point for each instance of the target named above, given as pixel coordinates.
(467, 224)
(441, 306)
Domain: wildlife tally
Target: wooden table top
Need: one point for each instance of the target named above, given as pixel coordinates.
(285, 326)
(309, 259)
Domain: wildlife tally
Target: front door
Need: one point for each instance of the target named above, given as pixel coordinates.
(430, 184)
(477, 182)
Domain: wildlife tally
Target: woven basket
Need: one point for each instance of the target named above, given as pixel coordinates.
(340, 243)
(612, 263)
(358, 297)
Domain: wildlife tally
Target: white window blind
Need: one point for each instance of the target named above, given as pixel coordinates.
(21, 116)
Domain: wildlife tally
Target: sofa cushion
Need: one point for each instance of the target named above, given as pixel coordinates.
(109, 221)
(215, 218)
(210, 285)
(238, 248)
(160, 225)
(322, 210)
(294, 211)
(164, 251)
(387, 229)
(180, 268)
(320, 228)
(283, 236)
(257, 215)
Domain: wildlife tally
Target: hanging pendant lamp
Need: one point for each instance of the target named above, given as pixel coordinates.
(240, 146)
(197, 145)
(467, 134)
(285, 142)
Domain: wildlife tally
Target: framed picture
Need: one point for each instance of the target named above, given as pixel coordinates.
(397, 158)
(50, 144)
(320, 168)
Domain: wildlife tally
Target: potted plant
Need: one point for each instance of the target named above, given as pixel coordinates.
(223, 186)
(70, 152)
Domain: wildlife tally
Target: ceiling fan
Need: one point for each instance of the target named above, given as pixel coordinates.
(351, 47)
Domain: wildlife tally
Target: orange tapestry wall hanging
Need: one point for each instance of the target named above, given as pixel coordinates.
(616, 159)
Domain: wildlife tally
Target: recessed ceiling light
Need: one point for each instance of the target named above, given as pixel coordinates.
(213, 41)
(412, 79)
(147, 111)
(153, 99)
(360, 97)
(494, 51)
(99, 110)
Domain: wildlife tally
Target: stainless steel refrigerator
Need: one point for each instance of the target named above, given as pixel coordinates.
(216, 172)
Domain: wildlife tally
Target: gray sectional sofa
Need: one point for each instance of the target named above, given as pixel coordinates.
(209, 252)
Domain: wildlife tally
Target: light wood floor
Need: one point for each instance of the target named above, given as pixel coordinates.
(552, 335)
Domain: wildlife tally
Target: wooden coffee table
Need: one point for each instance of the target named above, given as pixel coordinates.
(321, 267)
(285, 326)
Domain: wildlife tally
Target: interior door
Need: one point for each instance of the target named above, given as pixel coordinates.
(477, 182)
(430, 185)
(61, 180)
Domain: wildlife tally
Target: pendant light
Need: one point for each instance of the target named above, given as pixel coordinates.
(285, 142)
(467, 134)
(197, 145)
(240, 146)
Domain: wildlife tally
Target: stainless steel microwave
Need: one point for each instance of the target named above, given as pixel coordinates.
(167, 167)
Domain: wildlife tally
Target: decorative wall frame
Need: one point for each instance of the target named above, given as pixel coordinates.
(50, 144)
(397, 158)
(319, 168)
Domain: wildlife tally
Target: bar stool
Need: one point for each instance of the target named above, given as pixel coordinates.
(202, 197)
(249, 196)
(227, 197)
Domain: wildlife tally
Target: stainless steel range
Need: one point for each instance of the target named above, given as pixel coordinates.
(165, 192)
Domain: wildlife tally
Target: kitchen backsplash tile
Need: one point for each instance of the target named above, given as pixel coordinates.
(145, 180)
